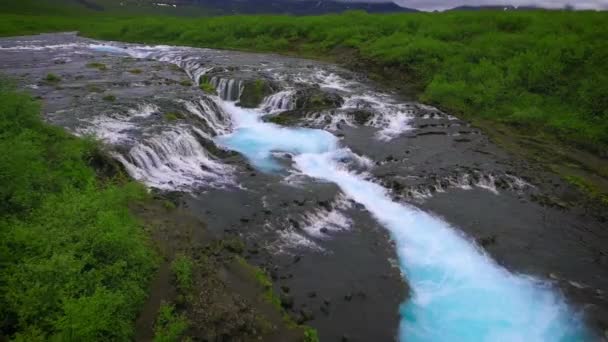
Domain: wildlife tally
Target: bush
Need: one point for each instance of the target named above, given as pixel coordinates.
(75, 262)
(182, 270)
(170, 327)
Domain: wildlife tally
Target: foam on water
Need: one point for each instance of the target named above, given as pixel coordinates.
(257, 140)
(458, 292)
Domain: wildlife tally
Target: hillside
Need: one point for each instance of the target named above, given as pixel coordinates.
(200, 7)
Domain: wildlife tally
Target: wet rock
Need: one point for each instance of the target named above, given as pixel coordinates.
(312, 294)
(294, 223)
(348, 297)
(345, 338)
(325, 205)
(362, 116)
(325, 310)
(487, 241)
(313, 98)
(254, 92)
(285, 289)
(306, 315)
(286, 300)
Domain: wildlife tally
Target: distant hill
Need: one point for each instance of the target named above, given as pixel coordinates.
(298, 7)
(199, 7)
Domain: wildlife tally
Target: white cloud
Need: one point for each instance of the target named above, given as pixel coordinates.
(431, 5)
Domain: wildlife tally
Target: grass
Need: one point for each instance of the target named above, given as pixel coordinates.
(588, 188)
(207, 87)
(75, 263)
(541, 72)
(182, 270)
(98, 66)
(170, 326)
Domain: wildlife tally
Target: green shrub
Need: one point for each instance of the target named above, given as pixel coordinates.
(169, 327)
(75, 262)
(182, 270)
(52, 78)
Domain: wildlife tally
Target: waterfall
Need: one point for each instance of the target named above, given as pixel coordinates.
(207, 110)
(175, 160)
(227, 89)
(458, 292)
(279, 102)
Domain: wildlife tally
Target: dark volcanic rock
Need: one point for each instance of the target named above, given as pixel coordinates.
(313, 98)
(254, 92)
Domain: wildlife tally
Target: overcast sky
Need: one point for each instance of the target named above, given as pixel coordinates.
(431, 5)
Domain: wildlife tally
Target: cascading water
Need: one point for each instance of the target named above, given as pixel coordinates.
(227, 89)
(459, 293)
(174, 160)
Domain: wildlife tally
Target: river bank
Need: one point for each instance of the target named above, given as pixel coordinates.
(332, 260)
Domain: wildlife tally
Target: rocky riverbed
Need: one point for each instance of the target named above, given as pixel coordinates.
(162, 112)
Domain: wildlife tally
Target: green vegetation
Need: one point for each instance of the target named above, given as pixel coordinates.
(310, 335)
(207, 87)
(98, 66)
(182, 270)
(542, 72)
(135, 71)
(169, 327)
(109, 98)
(588, 188)
(74, 263)
(52, 78)
(186, 83)
(173, 116)
(263, 280)
(254, 92)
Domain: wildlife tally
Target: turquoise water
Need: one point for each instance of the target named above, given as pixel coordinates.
(459, 293)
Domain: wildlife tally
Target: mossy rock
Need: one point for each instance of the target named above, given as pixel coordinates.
(362, 116)
(313, 98)
(173, 116)
(207, 87)
(284, 119)
(254, 93)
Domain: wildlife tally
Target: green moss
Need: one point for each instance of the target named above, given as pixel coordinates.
(186, 83)
(94, 89)
(280, 120)
(98, 66)
(207, 87)
(136, 71)
(52, 78)
(588, 188)
(310, 334)
(109, 98)
(173, 116)
(253, 93)
(264, 281)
